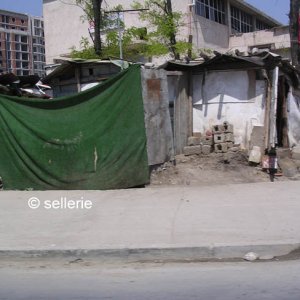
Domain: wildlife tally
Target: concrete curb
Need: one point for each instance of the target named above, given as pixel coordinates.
(157, 254)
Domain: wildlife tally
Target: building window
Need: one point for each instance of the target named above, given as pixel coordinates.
(24, 56)
(211, 9)
(24, 39)
(24, 48)
(261, 25)
(37, 23)
(240, 20)
(13, 20)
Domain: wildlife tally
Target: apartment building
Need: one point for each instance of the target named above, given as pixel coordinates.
(215, 24)
(22, 44)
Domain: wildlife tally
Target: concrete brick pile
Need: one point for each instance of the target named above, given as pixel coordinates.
(220, 140)
(193, 147)
(199, 145)
(207, 144)
(223, 137)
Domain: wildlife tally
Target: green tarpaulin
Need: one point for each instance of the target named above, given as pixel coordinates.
(92, 140)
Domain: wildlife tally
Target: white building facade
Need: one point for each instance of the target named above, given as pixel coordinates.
(211, 24)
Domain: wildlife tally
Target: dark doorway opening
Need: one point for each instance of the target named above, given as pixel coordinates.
(282, 113)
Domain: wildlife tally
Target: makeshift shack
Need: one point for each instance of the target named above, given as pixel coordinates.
(70, 76)
(257, 94)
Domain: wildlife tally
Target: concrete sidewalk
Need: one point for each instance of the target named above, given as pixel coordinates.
(155, 223)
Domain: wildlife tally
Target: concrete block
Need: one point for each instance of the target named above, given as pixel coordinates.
(228, 128)
(283, 153)
(229, 145)
(229, 137)
(258, 138)
(221, 148)
(288, 167)
(193, 141)
(255, 155)
(218, 129)
(296, 153)
(219, 138)
(192, 150)
(197, 134)
(207, 140)
(206, 149)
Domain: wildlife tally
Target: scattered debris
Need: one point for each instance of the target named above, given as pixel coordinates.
(28, 86)
(251, 256)
(212, 169)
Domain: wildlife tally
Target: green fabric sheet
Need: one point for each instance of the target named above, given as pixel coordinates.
(92, 140)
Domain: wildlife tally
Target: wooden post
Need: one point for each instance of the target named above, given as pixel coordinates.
(267, 114)
(190, 103)
(273, 109)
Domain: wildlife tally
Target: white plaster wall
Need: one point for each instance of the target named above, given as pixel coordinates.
(63, 27)
(226, 96)
(294, 118)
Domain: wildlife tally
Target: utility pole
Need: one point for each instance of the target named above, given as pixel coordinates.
(294, 31)
(118, 12)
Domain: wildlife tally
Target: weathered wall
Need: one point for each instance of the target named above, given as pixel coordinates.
(235, 96)
(294, 117)
(157, 116)
(209, 34)
(178, 85)
(278, 38)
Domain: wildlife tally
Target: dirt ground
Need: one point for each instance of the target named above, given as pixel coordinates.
(212, 169)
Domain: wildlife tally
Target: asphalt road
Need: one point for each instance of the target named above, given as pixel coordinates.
(85, 280)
